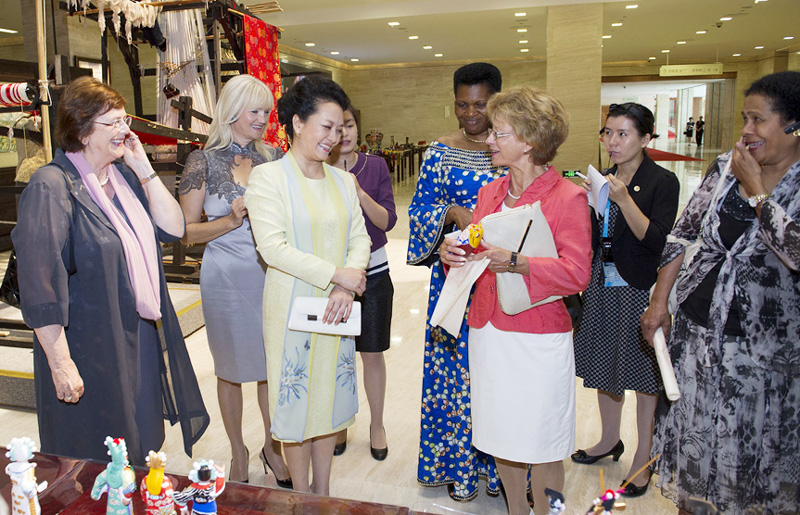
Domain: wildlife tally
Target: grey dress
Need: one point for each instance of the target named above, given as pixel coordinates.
(232, 274)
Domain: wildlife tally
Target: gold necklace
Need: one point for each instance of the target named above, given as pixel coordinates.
(464, 132)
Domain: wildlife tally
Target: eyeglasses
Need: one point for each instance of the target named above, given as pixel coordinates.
(117, 124)
(498, 135)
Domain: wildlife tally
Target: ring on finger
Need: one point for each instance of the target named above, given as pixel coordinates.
(68, 398)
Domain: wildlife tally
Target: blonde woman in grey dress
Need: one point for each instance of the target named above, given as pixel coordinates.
(232, 275)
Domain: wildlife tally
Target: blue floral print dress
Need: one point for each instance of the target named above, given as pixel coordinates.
(448, 177)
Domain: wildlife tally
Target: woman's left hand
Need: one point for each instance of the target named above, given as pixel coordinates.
(746, 169)
(340, 304)
(499, 259)
(617, 190)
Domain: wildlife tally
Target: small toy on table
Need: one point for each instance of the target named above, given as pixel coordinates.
(118, 480)
(24, 490)
(156, 488)
(208, 482)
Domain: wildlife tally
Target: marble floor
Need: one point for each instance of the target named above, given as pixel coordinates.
(355, 474)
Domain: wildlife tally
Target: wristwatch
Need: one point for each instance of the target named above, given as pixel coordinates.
(755, 200)
(512, 263)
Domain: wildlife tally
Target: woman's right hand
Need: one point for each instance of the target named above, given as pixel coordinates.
(451, 254)
(461, 216)
(238, 211)
(656, 315)
(350, 279)
(68, 381)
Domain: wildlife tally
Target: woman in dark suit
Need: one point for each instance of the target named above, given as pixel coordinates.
(610, 353)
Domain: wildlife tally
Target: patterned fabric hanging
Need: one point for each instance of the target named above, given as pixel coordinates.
(261, 56)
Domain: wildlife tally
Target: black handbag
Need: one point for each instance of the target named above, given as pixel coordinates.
(574, 305)
(9, 291)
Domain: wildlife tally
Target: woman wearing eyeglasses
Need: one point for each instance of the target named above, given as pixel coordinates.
(92, 287)
(610, 353)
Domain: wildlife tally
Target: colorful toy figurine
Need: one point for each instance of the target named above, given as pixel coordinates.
(606, 503)
(24, 490)
(156, 488)
(557, 506)
(208, 482)
(118, 480)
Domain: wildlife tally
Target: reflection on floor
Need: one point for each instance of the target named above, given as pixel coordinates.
(355, 474)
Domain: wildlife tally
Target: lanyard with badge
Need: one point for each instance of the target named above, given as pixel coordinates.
(611, 275)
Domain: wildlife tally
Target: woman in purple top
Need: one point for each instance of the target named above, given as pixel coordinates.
(374, 185)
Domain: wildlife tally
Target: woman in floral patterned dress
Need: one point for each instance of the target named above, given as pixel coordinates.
(454, 169)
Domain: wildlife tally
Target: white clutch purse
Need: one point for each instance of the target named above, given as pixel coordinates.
(306, 316)
(508, 229)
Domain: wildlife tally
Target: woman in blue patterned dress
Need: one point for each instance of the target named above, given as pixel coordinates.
(455, 168)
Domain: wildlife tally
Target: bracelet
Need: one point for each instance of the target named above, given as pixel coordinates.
(149, 178)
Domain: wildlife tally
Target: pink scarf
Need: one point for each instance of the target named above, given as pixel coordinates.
(138, 239)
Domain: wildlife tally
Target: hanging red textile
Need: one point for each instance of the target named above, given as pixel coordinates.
(261, 57)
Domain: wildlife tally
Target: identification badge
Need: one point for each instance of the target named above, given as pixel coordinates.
(611, 276)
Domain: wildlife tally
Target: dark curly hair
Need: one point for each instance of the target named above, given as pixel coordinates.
(477, 73)
(783, 91)
(83, 100)
(305, 95)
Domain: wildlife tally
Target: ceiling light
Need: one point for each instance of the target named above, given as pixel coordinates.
(681, 42)
(789, 37)
(618, 24)
(354, 59)
(334, 53)
(757, 1)
(8, 31)
(311, 44)
(737, 55)
(523, 41)
(701, 32)
(413, 37)
(394, 23)
(607, 36)
(651, 58)
(437, 55)
(759, 47)
(520, 15)
(632, 6)
(665, 51)
(725, 18)
(427, 47)
(523, 50)
(522, 30)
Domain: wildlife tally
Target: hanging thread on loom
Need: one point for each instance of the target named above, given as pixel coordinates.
(14, 95)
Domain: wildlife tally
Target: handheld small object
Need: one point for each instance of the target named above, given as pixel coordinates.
(470, 238)
(157, 488)
(118, 480)
(24, 489)
(208, 482)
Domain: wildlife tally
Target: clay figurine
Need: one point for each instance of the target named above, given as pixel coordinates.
(24, 490)
(607, 503)
(556, 499)
(156, 488)
(208, 482)
(118, 480)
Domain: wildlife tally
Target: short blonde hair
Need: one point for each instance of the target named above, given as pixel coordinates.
(239, 94)
(536, 118)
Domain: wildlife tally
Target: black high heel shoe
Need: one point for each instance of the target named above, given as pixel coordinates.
(632, 490)
(283, 483)
(247, 460)
(581, 457)
(379, 454)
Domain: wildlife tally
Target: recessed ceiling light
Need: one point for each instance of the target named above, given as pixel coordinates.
(665, 51)
(311, 44)
(354, 59)
(334, 53)
(413, 37)
(523, 41)
(701, 32)
(737, 55)
(427, 47)
(394, 23)
(607, 36)
(759, 47)
(632, 6)
(757, 1)
(520, 15)
(437, 55)
(651, 58)
(618, 24)
(789, 37)
(8, 31)
(725, 18)
(681, 42)
(522, 30)
(523, 50)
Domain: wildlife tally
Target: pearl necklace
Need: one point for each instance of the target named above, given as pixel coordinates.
(105, 181)
(515, 197)
(464, 132)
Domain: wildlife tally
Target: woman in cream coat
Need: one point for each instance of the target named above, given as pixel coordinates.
(308, 227)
